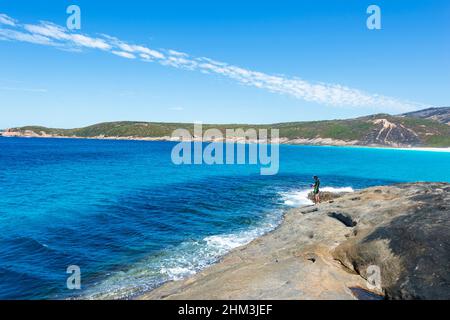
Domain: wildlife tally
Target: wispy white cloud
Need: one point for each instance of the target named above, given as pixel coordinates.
(177, 53)
(33, 90)
(18, 85)
(176, 108)
(6, 34)
(47, 33)
(127, 94)
(4, 19)
(124, 54)
(65, 38)
(145, 52)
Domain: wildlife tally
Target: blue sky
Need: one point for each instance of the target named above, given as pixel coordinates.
(252, 62)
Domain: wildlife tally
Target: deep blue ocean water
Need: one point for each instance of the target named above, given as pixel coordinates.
(131, 220)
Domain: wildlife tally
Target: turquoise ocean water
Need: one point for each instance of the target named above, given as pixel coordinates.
(131, 220)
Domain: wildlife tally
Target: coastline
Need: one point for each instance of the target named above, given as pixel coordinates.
(283, 141)
(321, 252)
(314, 223)
(256, 252)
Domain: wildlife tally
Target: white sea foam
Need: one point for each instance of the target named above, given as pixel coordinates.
(177, 273)
(337, 190)
(179, 262)
(210, 249)
(226, 242)
(298, 198)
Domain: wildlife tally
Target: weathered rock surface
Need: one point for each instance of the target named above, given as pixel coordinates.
(411, 248)
(441, 115)
(391, 134)
(321, 252)
(325, 196)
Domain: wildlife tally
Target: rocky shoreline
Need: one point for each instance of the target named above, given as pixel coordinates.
(286, 141)
(330, 251)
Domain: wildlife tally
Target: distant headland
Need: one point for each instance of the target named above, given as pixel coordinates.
(425, 128)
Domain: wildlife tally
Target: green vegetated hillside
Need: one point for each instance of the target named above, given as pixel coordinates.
(380, 129)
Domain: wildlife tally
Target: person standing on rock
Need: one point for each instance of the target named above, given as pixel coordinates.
(316, 191)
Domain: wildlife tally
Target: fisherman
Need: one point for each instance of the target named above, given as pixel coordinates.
(316, 191)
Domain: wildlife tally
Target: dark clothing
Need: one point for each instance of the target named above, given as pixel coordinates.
(317, 187)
